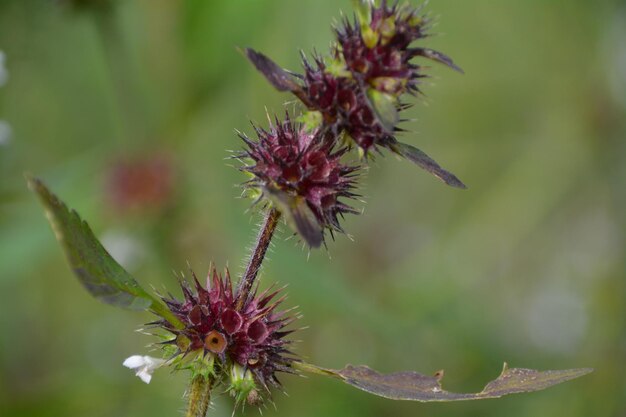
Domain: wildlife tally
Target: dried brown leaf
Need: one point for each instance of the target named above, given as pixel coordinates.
(413, 386)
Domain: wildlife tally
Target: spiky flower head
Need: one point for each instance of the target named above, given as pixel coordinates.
(358, 89)
(300, 174)
(229, 337)
(343, 103)
(376, 48)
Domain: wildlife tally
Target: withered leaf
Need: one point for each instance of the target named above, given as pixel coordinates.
(425, 162)
(298, 215)
(413, 386)
(437, 57)
(277, 76)
(95, 268)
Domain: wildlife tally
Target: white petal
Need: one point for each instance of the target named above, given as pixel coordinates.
(153, 363)
(144, 366)
(144, 375)
(134, 362)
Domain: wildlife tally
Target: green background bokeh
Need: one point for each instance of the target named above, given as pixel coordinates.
(527, 266)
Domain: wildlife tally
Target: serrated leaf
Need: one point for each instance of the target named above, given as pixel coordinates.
(386, 108)
(413, 386)
(425, 162)
(95, 268)
(298, 216)
(277, 76)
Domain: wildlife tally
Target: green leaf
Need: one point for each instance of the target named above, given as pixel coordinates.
(425, 162)
(413, 386)
(95, 268)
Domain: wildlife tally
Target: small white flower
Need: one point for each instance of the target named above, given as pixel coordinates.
(144, 366)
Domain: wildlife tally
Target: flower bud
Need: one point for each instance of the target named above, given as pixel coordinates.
(242, 386)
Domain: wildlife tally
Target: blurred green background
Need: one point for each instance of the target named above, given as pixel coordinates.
(527, 266)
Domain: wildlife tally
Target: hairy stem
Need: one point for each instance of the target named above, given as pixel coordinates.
(258, 254)
(199, 396)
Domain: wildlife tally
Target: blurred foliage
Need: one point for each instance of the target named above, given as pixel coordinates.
(526, 266)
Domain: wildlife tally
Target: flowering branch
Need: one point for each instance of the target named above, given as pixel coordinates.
(240, 338)
(244, 345)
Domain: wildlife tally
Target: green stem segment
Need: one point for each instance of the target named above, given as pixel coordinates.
(199, 396)
(256, 257)
(312, 369)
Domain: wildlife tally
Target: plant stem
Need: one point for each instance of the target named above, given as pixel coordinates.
(256, 257)
(199, 396)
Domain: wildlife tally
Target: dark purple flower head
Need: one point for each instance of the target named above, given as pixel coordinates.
(358, 89)
(246, 333)
(343, 104)
(301, 175)
(377, 50)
